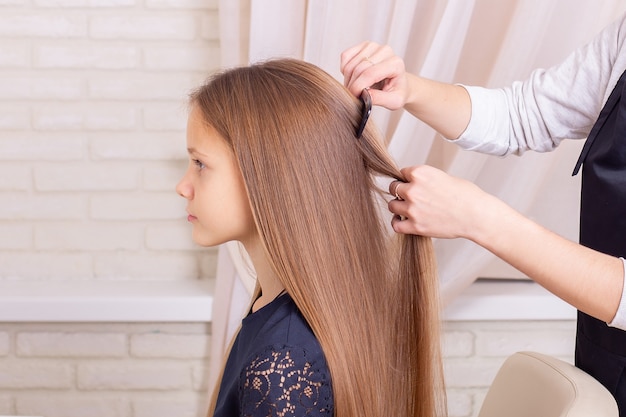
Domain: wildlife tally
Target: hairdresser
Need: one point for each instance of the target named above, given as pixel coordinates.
(579, 98)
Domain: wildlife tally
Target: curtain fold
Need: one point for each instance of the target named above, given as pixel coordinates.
(485, 42)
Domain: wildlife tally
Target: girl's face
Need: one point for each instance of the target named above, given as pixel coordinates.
(218, 206)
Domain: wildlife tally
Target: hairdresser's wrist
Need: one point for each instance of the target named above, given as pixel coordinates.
(414, 101)
(494, 223)
(445, 107)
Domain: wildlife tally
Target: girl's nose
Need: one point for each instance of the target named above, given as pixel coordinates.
(184, 188)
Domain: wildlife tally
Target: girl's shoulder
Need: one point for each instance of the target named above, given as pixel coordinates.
(286, 380)
(286, 373)
(279, 323)
(284, 338)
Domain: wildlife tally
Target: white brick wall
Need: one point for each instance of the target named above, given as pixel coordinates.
(92, 144)
(92, 120)
(108, 370)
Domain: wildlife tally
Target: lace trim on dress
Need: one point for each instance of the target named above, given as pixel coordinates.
(284, 383)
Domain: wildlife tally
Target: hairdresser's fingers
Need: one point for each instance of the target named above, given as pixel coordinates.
(394, 189)
(368, 69)
(393, 91)
(352, 57)
(439, 205)
(431, 204)
(346, 63)
(406, 217)
(404, 212)
(384, 73)
(357, 63)
(404, 226)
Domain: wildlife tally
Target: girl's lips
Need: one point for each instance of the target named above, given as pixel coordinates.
(191, 218)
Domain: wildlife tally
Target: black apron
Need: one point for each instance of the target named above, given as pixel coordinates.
(600, 349)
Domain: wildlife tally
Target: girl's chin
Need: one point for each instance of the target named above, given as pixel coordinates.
(205, 241)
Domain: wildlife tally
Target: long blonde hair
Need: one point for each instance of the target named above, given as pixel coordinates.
(311, 185)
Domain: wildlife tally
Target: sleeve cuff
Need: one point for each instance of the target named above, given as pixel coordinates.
(485, 132)
(619, 321)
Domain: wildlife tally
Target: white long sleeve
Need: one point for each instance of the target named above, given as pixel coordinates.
(561, 102)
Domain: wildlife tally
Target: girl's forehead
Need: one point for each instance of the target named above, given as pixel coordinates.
(202, 138)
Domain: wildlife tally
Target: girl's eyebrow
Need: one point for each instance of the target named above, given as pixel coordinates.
(192, 150)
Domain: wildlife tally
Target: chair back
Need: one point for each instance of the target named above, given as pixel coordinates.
(531, 384)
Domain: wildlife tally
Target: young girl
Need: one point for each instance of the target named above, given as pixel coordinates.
(342, 323)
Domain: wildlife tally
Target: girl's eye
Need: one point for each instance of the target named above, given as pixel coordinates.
(199, 164)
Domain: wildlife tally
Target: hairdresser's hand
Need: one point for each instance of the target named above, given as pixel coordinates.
(439, 205)
(376, 66)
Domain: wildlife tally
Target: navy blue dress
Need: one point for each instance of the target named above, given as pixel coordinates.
(276, 367)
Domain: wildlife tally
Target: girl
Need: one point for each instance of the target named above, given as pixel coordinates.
(341, 322)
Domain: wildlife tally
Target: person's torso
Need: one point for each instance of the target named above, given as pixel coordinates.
(267, 349)
(601, 349)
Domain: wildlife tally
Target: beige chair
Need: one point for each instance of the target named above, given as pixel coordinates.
(531, 384)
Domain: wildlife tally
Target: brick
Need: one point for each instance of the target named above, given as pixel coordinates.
(209, 27)
(5, 344)
(42, 25)
(138, 206)
(87, 177)
(41, 147)
(84, 3)
(191, 407)
(14, 177)
(35, 375)
(143, 27)
(52, 207)
(42, 266)
(181, 346)
(144, 87)
(170, 237)
(14, 116)
(169, 116)
(182, 4)
(14, 56)
(471, 372)
(479, 398)
(137, 146)
(200, 374)
(457, 344)
(75, 406)
(91, 56)
(460, 403)
(163, 177)
(88, 236)
(14, 236)
(115, 376)
(181, 58)
(82, 345)
(208, 263)
(505, 343)
(111, 3)
(81, 117)
(146, 266)
(17, 88)
(13, 2)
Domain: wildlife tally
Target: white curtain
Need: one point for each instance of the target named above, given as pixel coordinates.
(483, 42)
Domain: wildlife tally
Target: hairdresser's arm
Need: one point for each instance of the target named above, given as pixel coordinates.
(445, 107)
(553, 104)
(439, 205)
